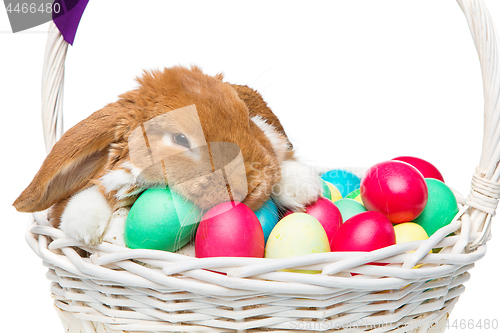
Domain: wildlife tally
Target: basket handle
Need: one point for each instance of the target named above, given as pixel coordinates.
(485, 191)
(53, 86)
(486, 41)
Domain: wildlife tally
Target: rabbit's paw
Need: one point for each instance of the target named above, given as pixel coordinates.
(114, 233)
(86, 216)
(299, 186)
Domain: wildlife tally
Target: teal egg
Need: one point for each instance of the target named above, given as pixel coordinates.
(161, 219)
(345, 181)
(268, 217)
(349, 207)
(440, 209)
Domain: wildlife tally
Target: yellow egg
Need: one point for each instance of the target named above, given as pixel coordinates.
(410, 232)
(335, 192)
(297, 234)
(358, 199)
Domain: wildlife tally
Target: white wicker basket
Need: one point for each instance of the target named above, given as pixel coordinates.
(115, 289)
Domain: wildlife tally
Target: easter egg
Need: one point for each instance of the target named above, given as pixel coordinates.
(295, 235)
(349, 207)
(335, 193)
(268, 216)
(343, 180)
(441, 207)
(325, 190)
(395, 189)
(366, 231)
(356, 195)
(409, 232)
(161, 219)
(327, 213)
(230, 229)
(426, 169)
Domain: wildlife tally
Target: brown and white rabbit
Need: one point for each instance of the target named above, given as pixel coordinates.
(91, 177)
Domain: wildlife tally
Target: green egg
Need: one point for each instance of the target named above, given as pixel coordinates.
(441, 207)
(161, 219)
(353, 194)
(356, 195)
(326, 190)
(349, 207)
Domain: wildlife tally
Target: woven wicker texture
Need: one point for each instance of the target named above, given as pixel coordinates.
(113, 289)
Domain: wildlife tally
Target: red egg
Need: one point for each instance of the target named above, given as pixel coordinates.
(230, 229)
(395, 189)
(325, 211)
(426, 169)
(365, 231)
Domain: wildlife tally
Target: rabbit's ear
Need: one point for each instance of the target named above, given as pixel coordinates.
(79, 156)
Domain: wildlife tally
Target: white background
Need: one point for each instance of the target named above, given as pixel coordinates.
(353, 82)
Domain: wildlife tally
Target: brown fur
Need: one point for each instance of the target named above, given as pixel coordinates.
(98, 144)
(79, 156)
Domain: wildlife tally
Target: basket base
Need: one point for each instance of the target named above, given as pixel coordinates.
(73, 324)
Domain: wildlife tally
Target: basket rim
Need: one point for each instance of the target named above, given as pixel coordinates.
(334, 265)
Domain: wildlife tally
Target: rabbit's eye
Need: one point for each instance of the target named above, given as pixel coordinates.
(181, 140)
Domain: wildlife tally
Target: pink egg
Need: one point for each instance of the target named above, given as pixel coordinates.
(325, 211)
(395, 189)
(365, 231)
(426, 169)
(230, 229)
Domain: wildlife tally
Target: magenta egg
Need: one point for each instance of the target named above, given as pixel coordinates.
(395, 189)
(230, 229)
(426, 169)
(365, 231)
(325, 211)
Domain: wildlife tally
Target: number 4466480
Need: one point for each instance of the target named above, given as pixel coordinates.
(33, 8)
(464, 324)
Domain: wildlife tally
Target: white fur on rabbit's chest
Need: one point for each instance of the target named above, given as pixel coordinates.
(278, 141)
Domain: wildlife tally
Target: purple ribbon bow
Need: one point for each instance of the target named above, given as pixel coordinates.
(68, 18)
